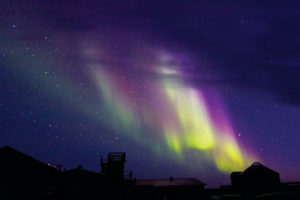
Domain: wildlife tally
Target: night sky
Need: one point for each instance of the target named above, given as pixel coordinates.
(185, 88)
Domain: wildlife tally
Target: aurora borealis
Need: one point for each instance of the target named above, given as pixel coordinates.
(186, 89)
(181, 119)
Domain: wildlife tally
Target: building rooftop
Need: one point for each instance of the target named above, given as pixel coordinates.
(170, 182)
(16, 159)
(256, 168)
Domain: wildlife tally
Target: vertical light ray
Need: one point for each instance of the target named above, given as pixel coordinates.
(185, 119)
(200, 126)
(119, 111)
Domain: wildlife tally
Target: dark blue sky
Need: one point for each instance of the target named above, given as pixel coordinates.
(246, 52)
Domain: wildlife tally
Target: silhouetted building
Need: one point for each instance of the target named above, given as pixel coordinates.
(257, 177)
(109, 184)
(172, 188)
(113, 165)
(24, 176)
(83, 184)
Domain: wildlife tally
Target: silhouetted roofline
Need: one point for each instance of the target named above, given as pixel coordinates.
(257, 166)
(81, 171)
(166, 182)
(10, 149)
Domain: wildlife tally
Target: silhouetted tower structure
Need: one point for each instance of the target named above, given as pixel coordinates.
(113, 165)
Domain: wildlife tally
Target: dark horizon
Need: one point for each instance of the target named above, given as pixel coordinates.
(46, 182)
(15, 159)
